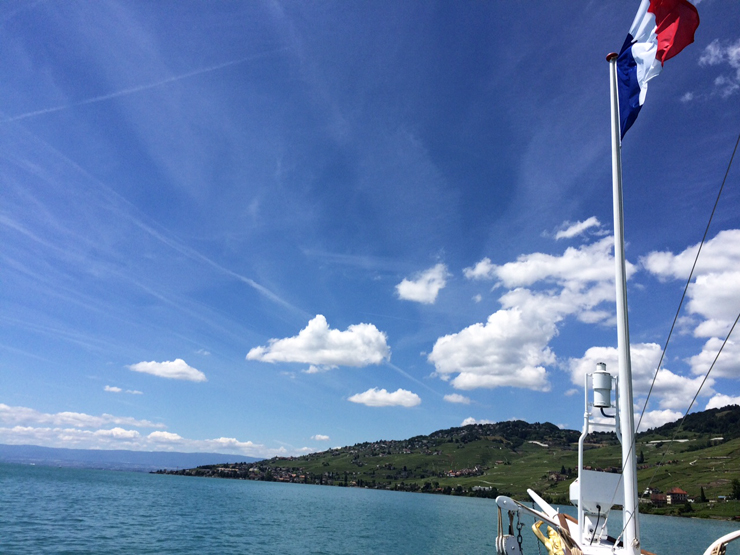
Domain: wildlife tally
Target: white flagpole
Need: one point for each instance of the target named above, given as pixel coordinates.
(629, 460)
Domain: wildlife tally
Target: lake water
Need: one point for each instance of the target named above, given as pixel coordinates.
(63, 510)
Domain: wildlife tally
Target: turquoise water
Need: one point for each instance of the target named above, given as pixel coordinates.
(62, 510)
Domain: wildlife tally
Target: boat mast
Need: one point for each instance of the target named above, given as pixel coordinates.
(627, 421)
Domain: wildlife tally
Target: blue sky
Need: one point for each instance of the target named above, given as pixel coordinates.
(276, 227)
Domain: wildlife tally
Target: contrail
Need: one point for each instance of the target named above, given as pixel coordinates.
(413, 379)
(140, 88)
(161, 236)
(195, 255)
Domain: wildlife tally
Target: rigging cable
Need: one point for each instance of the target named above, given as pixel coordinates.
(678, 428)
(688, 282)
(670, 334)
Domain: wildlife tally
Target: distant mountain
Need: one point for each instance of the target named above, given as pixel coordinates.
(512, 432)
(139, 461)
(510, 457)
(724, 422)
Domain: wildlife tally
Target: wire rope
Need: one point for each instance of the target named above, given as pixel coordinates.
(668, 339)
(688, 282)
(680, 425)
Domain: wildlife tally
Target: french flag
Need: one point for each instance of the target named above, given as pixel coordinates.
(662, 28)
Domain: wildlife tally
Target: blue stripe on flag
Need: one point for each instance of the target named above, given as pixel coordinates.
(628, 87)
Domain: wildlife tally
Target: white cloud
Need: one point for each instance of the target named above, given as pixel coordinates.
(23, 415)
(512, 347)
(176, 369)
(360, 345)
(115, 438)
(655, 418)
(594, 316)
(482, 270)
(478, 298)
(687, 97)
(727, 365)
(551, 306)
(713, 54)
(114, 389)
(227, 444)
(686, 324)
(715, 293)
(505, 351)
(671, 391)
(314, 369)
(120, 438)
(164, 436)
(425, 287)
(119, 433)
(320, 437)
(65, 430)
(716, 297)
(719, 254)
(717, 53)
(720, 54)
(572, 230)
(457, 398)
(726, 85)
(732, 52)
(719, 400)
(381, 398)
(676, 392)
(470, 420)
(574, 269)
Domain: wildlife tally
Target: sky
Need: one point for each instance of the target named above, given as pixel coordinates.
(271, 228)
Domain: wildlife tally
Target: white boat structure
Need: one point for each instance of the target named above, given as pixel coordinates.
(594, 493)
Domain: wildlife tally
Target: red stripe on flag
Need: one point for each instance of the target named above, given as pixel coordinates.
(675, 24)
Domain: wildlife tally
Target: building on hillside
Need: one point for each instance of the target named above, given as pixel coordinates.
(676, 496)
(658, 499)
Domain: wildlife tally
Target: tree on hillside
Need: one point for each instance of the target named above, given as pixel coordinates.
(736, 489)
(702, 497)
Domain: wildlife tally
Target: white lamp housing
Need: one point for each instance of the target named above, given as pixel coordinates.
(602, 381)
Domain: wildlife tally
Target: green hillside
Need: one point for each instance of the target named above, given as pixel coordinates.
(509, 457)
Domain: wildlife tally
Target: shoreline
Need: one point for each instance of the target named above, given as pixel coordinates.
(201, 473)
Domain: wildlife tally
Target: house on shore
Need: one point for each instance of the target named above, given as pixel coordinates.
(676, 496)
